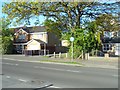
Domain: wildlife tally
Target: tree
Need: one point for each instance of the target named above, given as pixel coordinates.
(7, 43)
(69, 15)
(54, 27)
(107, 22)
(6, 31)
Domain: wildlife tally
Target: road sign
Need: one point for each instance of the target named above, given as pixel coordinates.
(71, 39)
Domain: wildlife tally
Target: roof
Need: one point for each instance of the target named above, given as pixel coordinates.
(111, 40)
(40, 41)
(20, 30)
(20, 43)
(37, 29)
(32, 29)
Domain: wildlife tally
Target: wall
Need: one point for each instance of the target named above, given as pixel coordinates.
(65, 43)
(40, 35)
(53, 40)
(33, 45)
(117, 49)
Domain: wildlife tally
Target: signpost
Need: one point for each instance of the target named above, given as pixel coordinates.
(72, 39)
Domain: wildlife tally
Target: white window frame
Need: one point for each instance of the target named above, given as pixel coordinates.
(107, 46)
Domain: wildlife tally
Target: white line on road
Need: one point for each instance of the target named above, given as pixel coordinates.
(22, 80)
(116, 76)
(54, 87)
(8, 76)
(10, 64)
(57, 69)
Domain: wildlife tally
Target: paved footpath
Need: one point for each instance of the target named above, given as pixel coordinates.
(111, 63)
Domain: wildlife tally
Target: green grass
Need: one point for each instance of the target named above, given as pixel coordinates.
(65, 62)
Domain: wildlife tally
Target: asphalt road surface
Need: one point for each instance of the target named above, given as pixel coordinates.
(61, 76)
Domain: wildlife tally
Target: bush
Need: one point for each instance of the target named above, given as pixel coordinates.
(7, 45)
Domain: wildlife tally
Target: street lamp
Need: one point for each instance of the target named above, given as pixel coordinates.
(72, 39)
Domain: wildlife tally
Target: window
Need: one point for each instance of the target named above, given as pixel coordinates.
(107, 47)
(107, 34)
(117, 47)
(21, 37)
(118, 33)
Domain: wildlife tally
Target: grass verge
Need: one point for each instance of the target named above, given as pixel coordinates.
(64, 62)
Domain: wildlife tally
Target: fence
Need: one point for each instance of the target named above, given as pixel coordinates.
(97, 53)
(36, 52)
(94, 54)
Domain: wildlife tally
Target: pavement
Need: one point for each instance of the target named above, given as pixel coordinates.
(111, 63)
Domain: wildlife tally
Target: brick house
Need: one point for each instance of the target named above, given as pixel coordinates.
(35, 40)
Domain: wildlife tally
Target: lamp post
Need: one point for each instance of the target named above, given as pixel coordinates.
(72, 52)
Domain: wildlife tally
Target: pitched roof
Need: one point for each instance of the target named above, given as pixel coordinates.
(111, 40)
(40, 41)
(37, 29)
(32, 29)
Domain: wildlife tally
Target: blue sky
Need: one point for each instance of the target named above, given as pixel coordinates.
(0, 8)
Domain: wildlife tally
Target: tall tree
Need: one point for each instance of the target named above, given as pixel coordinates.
(7, 43)
(69, 15)
(107, 22)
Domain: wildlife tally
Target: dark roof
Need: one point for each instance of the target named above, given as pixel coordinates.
(40, 41)
(37, 29)
(111, 40)
(32, 29)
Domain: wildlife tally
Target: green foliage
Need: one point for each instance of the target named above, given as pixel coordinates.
(66, 16)
(107, 22)
(54, 27)
(7, 45)
(85, 40)
(68, 13)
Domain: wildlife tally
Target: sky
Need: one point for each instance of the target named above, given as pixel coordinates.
(0, 9)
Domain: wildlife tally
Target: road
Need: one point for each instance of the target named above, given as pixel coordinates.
(61, 76)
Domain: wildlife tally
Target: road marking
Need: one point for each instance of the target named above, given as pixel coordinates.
(116, 76)
(9, 58)
(10, 64)
(57, 69)
(54, 87)
(20, 60)
(22, 80)
(73, 71)
(8, 76)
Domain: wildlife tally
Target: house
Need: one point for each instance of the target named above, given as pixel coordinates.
(111, 43)
(35, 40)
